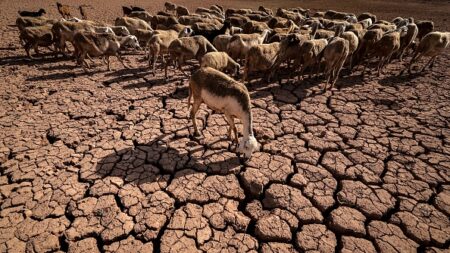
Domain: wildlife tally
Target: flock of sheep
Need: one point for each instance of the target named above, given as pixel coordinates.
(222, 40)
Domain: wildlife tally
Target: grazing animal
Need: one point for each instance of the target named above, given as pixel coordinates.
(126, 10)
(132, 24)
(222, 93)
(181, 11)
(38, 13)
(240, 43)
(211, 34)
(432, 45)
(64, 10)
(260, 58)
(408, 39)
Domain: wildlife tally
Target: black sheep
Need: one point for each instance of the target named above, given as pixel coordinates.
(32, 13)
(211, 34)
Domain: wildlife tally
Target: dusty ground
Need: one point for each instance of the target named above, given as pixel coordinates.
(104, 161)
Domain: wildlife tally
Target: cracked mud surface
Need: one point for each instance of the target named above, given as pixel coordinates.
(105, 163)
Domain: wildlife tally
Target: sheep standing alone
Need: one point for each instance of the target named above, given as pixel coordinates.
(220, 61)
(431, 45)
(221, 93)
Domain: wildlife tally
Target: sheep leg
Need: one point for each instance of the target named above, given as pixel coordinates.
(195, 107)
(121, 61)
(432, 62)
(428, 63)
(232, 128)
(108, 62)
(415, 58)
(27, 49)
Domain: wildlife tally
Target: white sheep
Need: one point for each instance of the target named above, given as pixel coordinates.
(222, 93)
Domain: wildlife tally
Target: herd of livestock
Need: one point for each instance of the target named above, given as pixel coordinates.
(223, 40)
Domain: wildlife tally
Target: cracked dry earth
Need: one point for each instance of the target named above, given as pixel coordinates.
(104, 163)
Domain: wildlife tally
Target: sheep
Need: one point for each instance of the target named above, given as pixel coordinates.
(290, 47)
(65, 30)
(201, 10)
(260, 58)
(366, 15)
(386, 47)
(210, 34)
(64, 10)
(294, 16)
(186, 48)
(217, 8)
(266, 10)
(222, 93)
(431, 45)
(254, 27)
(132, 24)
(238, 20)
(240, 43)
(160, 41)
(369, 39)
(258, 17)
(384, 27)
(334, 56)
(181, 11)
(36, 36)
(220, 61)
(365, 23)
(103, 29)
(126, 10)
(235, 30)
(221, 42)
(353, 43)
(120, 30)
(408, 39)
(170, 6)
(32, 13)
(277, 22)
(22, 22)
(176, 27)
(141, 15)
(104, 44)
(425, 27)
(163, 20)
(309, 54)
(144, 37)
(82, 12)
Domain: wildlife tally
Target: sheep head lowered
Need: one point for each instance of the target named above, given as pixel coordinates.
(248, 145)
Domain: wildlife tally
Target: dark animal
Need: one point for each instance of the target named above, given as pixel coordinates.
(211, 34)
(425, 27)
(135, 8)
(126, 10)
(32, 13)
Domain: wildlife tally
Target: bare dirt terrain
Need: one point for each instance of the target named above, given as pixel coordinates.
(104, 162)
